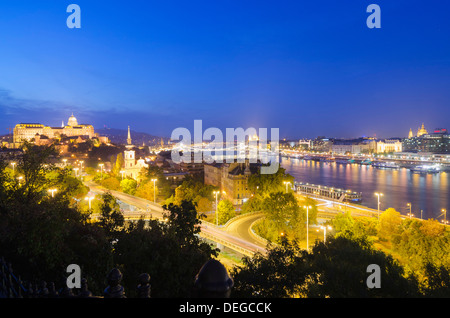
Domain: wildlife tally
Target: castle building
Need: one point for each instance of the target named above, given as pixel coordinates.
(31, 131)
(132, 167)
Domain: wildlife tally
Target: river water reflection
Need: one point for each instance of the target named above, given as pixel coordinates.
(428, 193)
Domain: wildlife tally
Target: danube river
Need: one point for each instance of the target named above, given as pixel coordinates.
(429, 193)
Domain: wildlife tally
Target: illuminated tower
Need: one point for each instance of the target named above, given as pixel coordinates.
(129, 154)
(129, 137)
(410, 134)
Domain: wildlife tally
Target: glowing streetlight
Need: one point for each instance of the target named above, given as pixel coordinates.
(286, 183)
(13, 165)
(101, 169)
(444, 212)
(216, 193)
(410, 213)
(378, 195)
(307, 226)
(89, 199)
(154, 189)
(324, 228)
(52, 191)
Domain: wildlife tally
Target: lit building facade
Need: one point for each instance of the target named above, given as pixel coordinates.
(389, 146)
(354, 146)
(231, 178)
(28, 132)
(437, 142)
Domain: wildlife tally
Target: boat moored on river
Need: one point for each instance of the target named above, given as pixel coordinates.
(426, 169)
(332, 193)
(385, 165)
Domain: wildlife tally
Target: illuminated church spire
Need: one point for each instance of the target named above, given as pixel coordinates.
(410, 134)
(129, 136)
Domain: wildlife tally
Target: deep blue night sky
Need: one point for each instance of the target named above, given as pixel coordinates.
(307, 67)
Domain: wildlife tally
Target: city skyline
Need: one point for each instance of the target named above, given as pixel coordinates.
(62, 123)
(224, 149)
(309, 69)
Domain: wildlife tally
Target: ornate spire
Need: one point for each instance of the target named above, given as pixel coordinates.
(129, 136)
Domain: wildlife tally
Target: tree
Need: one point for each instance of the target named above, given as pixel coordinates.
(118, 164)
(225, 211)
(437, 282)
(389, 223)
(421, 242)
(33, 169)
(338, 269)
(343, 223)
(111, 218)
(253, 204)
(41, 234)
(191, 188)
(262, 276)
(146, 190)
(335, 269)
(128, 186)
(164, 186)
(203, 204)
(111, 183)
(184, 221)
(282, 209)
(263, 185)
(112, 161)
(170, 252)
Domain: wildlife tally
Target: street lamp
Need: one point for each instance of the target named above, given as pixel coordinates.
(52, 191)
(89, 199)
(217, 219)
(76, 172)
(307, 226)
(286, 183)
(101, 169)
(444, 212)
(410, 213)
(378, 195)
(154, 189)
(122, 172)
(324, 228)
(13, 164)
